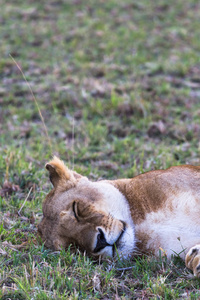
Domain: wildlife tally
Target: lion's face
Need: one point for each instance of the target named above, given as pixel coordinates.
(94, 216)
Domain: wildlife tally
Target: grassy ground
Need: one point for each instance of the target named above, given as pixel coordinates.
(118, 85)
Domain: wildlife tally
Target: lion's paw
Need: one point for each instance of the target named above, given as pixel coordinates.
(192, 260)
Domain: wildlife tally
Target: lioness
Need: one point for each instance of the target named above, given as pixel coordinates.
(152, 211)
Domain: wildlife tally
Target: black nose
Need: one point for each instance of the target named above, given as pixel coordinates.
(101, 241)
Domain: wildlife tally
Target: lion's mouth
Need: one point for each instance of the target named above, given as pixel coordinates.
(116, 245)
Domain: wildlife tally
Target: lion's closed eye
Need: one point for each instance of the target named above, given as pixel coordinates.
(75, 210)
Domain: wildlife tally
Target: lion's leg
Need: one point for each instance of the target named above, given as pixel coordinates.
(192, 260)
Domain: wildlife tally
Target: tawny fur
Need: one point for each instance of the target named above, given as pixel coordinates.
(155, 211)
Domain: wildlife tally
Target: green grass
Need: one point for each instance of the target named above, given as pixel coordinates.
(117, 83)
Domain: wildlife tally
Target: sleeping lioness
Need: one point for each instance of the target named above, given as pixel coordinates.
(152, 212)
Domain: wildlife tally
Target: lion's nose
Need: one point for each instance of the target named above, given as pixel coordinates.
(101, 241)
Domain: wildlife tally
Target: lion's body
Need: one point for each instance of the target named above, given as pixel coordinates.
(155, 211)
(165, 208)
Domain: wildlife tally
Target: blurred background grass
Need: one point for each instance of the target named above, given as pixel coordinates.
(125, 74)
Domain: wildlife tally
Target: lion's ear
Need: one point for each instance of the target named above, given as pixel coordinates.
(59, 174)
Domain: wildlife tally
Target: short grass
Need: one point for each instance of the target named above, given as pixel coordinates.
(118, 85)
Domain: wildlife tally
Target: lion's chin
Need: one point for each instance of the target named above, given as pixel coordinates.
(112, 252)
(114, 255)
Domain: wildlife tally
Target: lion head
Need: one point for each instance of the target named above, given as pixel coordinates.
(95, 216)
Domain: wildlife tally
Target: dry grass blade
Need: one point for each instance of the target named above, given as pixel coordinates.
(34, 98)
(19, 212)
(125, 269)
(73, 144)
